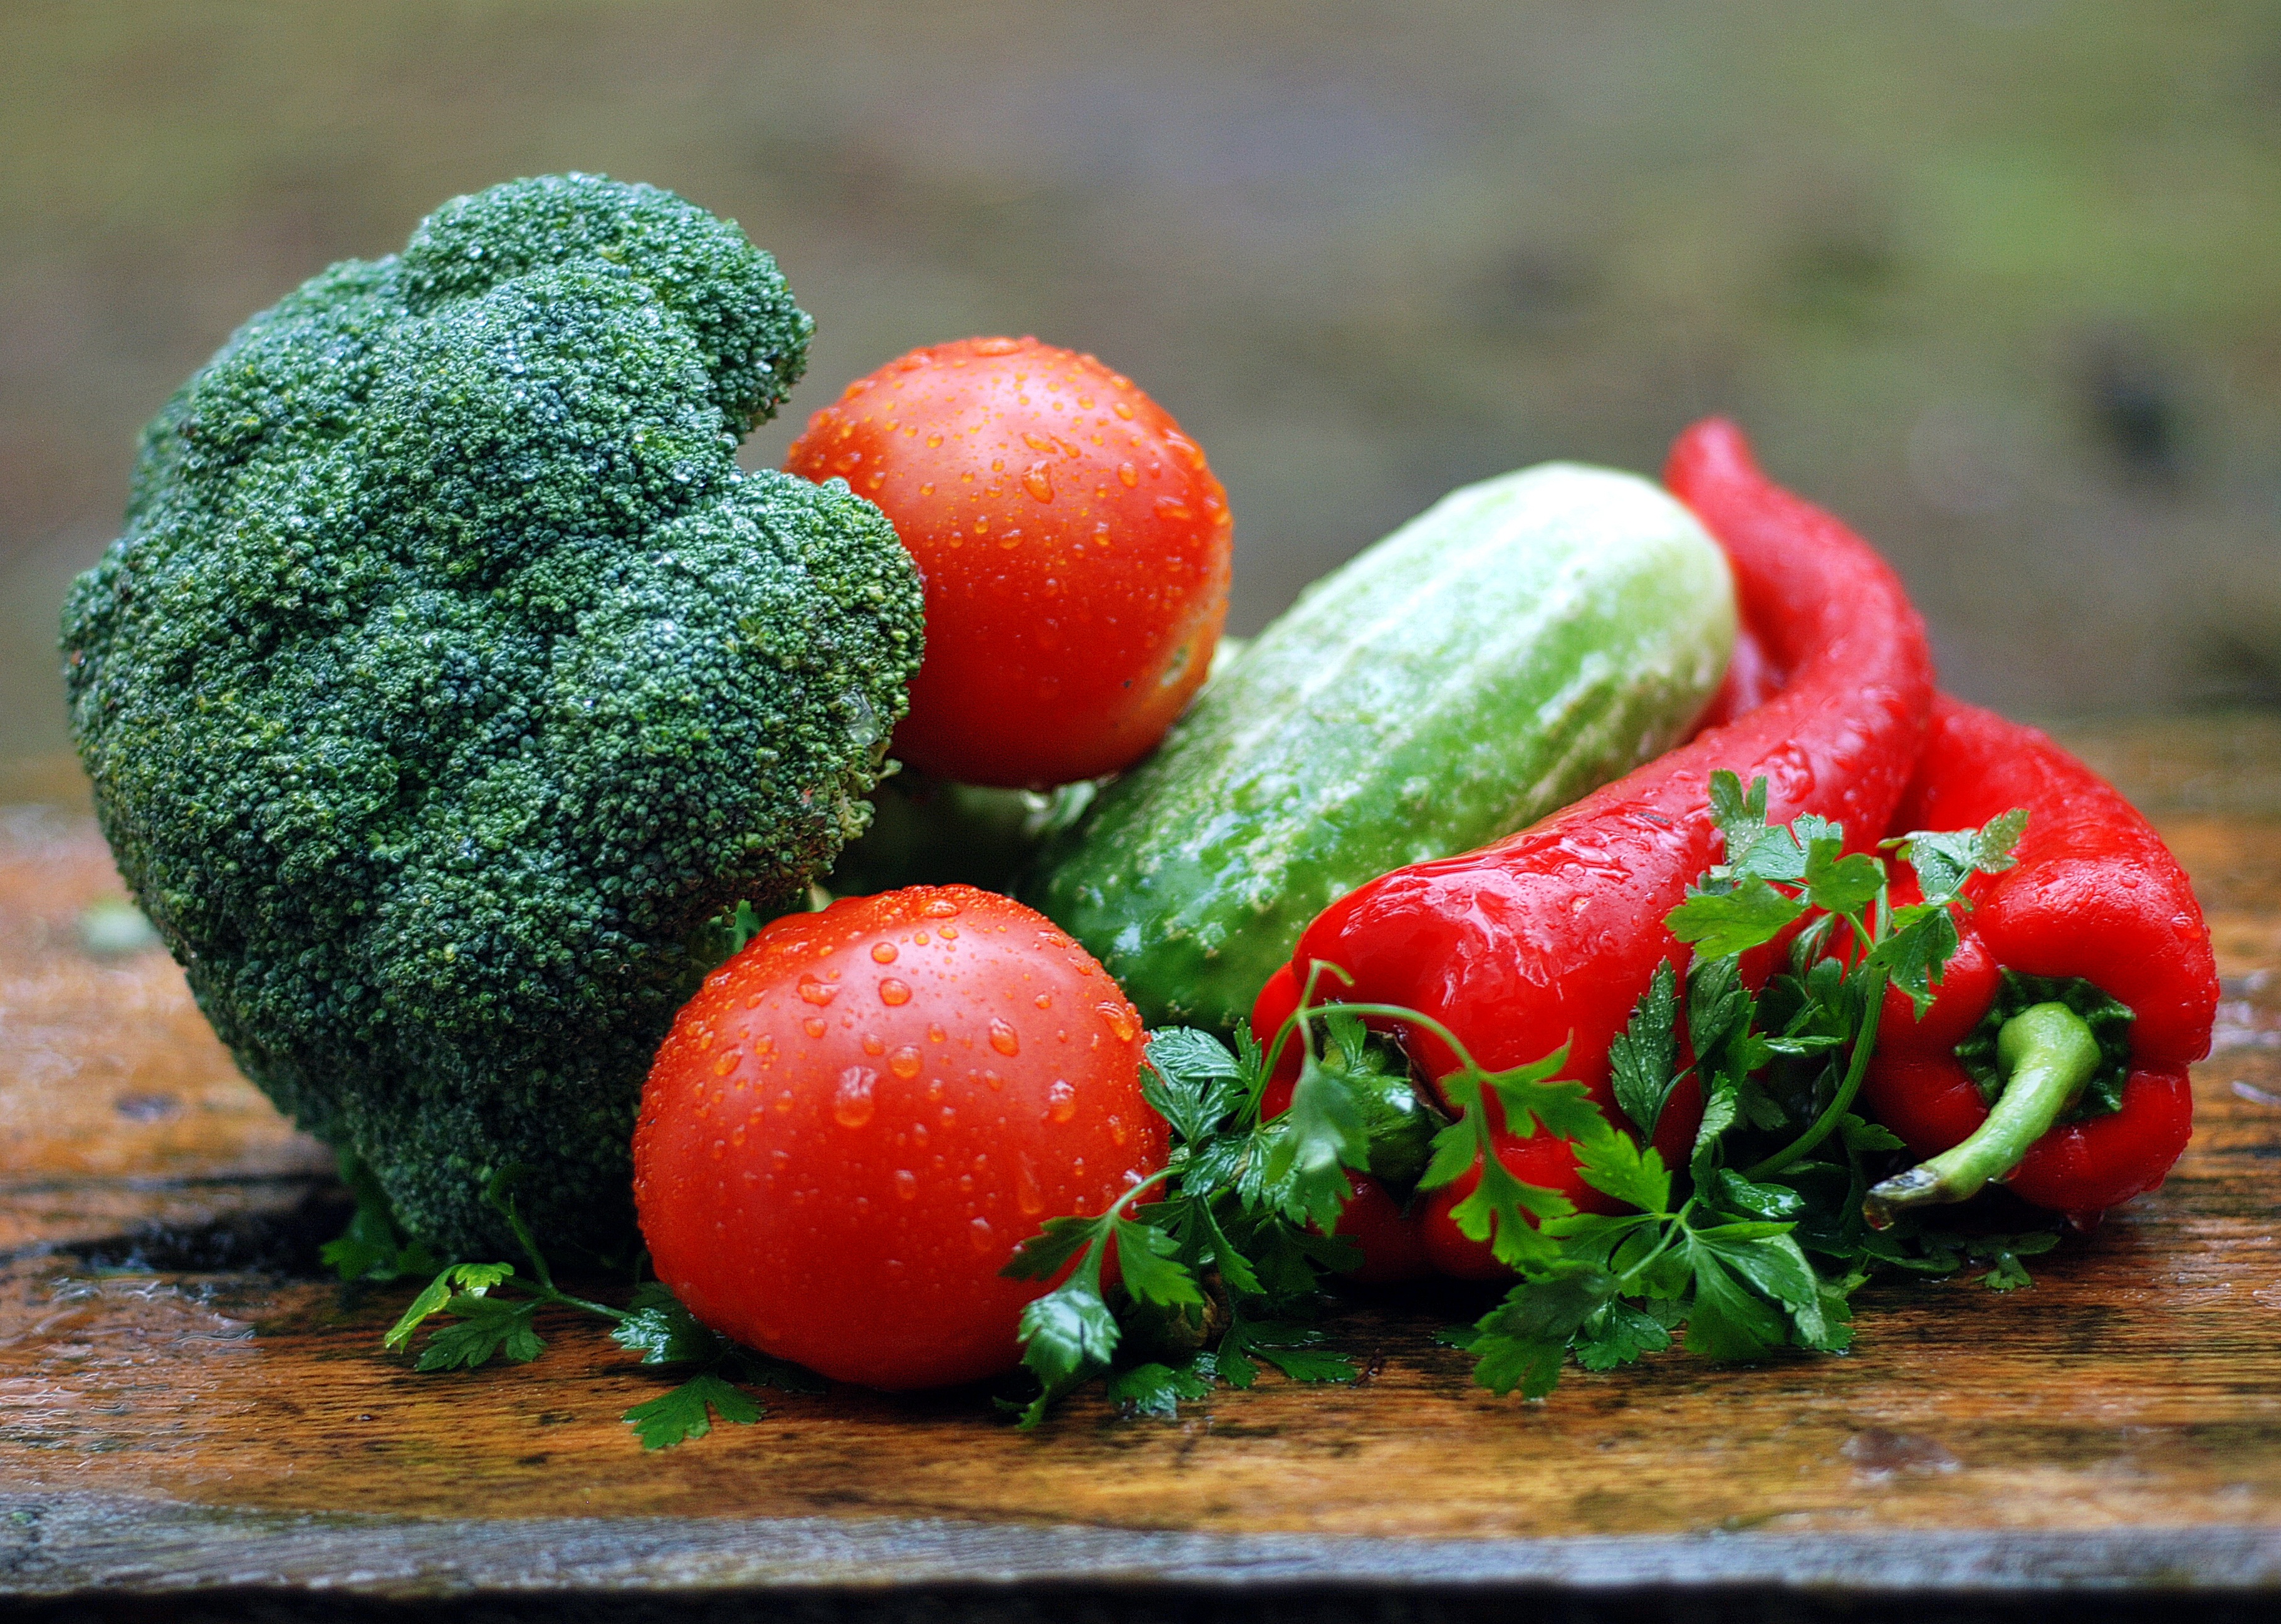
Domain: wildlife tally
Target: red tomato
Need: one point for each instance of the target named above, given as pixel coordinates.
(859, 1116)
(1074, 545)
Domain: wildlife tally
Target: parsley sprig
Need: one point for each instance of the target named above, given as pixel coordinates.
(494, 1312)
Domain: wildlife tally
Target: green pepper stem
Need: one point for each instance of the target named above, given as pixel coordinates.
(2047, 1053)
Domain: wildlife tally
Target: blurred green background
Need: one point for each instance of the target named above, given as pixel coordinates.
(1999, 280)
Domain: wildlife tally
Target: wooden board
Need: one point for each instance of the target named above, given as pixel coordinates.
(185, 1407)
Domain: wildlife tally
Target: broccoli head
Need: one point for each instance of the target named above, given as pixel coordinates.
(450, 676)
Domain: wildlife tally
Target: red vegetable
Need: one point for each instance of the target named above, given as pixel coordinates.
(2096, 899)
(857, 1119)
(1074, 543)
(1550, 936)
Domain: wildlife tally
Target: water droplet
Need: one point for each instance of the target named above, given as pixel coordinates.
(907, 1183)
(1003, 1038)
(992, 1080)
(815, 992)
(904, 1063)
(894, 991)
(995, 346)
(730, 1059)
(1172, 507)
(1036, 442)
(852, 1103)
(813, 1026)
(874, 1044)
(940, 907)
(1120, 1020)
(753, 1002)
(1127, 474)
(883, 953)
(950, 933)
(1119, 1132)
(1044, 1001)
(1038, 481)
(1121, 409)
(936, 1034)
(933, 441)
(784, 1102)
(1028, 1195)
(1060, 1100)
(978, 1233)
(919, 938)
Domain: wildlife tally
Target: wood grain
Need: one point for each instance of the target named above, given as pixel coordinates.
(161, 1359)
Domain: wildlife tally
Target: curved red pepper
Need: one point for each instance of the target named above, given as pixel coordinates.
(1551, 935)
(2094, 895)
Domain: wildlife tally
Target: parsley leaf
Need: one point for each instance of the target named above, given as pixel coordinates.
(1944, 860)
(1722, 924)
(680, 1414)
(1642, 1059)
(1159, 1389)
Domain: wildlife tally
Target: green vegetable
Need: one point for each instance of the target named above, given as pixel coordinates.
(1522, 642)
(449, 677)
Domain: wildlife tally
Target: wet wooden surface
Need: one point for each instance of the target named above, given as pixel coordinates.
(181, 1409)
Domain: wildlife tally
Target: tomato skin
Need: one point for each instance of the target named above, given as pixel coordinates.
(837, 1152)
(1074, 545)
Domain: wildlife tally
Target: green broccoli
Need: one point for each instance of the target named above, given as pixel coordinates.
(450, 676)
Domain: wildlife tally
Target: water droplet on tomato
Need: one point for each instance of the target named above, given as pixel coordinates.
(904, 1063)
(936, 1034)
(883, 953)
(978, 1233)
(919, 938)
(892, 992)
(1127, 474)
(1119, 1132)
(815, 992)
(1060, 1100)
(1121, 409)
(1119, 1017)
(874, 1044)
(852, 1102)
(813, 1026)
(730, 1059)
(1039, 480)
(1003, 1038)
(1172, 507)
(1028, 1195)
(1044, 1001)
(907, 1183)
(940, 907)
(933, 441)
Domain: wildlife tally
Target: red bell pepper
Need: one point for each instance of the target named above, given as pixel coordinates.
(1550, 936)
(2088, 964)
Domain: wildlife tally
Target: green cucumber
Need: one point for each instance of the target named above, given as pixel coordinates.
(1522, 642)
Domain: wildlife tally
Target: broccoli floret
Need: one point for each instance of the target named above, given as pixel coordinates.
(450, 676)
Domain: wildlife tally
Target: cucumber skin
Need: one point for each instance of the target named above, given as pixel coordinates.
(1522, 642)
